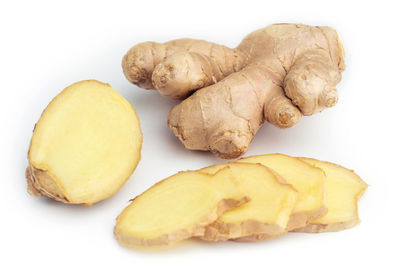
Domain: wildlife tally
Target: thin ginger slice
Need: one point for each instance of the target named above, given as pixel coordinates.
(344, 188)
(268, 211)
(309, 181)
(177, 208)
(85, 145)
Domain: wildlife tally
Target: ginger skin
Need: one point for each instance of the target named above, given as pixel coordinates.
(276, 74)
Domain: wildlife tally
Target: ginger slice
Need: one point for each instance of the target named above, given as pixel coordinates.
(177, 208)
(344, 188)
(268, 211)
(85, 145)
(309, 181)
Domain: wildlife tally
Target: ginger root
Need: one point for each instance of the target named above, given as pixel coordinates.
(85, 145)
(276, 74)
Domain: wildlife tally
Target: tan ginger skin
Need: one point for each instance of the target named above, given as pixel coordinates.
(276, 74)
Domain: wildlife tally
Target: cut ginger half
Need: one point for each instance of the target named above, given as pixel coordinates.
(177, 208)
(268, 211)
(85, 145)
(344, 188)
(309, 181)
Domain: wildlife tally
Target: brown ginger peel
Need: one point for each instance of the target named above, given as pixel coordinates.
(276, 74)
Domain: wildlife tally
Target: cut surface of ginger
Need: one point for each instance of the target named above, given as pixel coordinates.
(309, 181)
(177, 208)
(268, 211)
(344, 188)
(85, 145)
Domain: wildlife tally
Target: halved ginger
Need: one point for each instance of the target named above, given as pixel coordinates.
(177, 208)
(268, 211)
(85, 145)
(309, 181)
(344, 188)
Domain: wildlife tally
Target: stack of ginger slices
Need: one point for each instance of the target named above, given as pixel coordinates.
(251, 199)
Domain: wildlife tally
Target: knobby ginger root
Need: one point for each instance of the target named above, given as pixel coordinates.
(85, 145)
(268, 211)
(276, 74)
(344, 188)
(178, 208)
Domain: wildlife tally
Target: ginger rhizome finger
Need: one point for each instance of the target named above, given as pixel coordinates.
(216, 118)
(141, 60)
(276, 74)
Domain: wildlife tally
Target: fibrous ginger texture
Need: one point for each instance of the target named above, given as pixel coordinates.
(85, 145)
(276, 74)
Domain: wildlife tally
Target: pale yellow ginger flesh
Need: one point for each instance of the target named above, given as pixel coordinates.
(85, 145)
(344, 188)
(276, 74)
(178, 208)
(309, 181)
(251, 199)
(268, 211)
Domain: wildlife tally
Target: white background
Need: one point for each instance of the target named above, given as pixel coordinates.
(47, 45)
